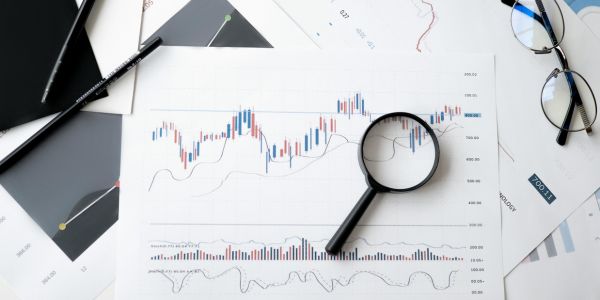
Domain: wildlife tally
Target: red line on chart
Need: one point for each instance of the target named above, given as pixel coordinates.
(418, 47)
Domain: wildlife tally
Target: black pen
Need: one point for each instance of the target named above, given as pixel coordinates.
(76, 28)
(64, 116)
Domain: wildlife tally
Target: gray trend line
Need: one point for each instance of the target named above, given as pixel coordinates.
(227, 18)
(325, 151)
(316, 158)
(226, 178)
(287, 239)
(64, 225)
(395, 142)
(297, 24)
(506, 152)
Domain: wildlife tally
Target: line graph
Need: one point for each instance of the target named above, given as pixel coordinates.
(63, 226)
(287, 239)
(313, 159)
(230, 262)
(356, 24)
(327, 285)
(429, 27)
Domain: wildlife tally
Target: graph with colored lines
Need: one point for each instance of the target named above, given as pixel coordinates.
(417, 266)
(235, 178)
(244, 124)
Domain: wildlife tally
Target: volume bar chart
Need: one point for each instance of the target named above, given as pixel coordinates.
(300, 250)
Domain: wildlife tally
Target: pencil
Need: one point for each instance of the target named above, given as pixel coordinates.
(76, 28)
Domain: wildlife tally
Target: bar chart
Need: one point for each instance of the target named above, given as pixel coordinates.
(562, 240)
(299, 249)
(564, 265)
(550, 244)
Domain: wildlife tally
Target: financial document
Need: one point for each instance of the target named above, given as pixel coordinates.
(239, 165)
(529, 154)
(572, 249)
(56, 218)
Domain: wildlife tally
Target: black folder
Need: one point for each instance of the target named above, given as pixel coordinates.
(31, 36)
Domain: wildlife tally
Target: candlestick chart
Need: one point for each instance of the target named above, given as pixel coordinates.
(321, 136)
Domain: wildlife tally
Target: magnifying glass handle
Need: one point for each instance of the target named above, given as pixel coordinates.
(341, 235)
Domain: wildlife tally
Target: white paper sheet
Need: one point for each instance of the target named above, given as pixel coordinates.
(566, 265)
(274, 24)
(227, 193)
(36, 268)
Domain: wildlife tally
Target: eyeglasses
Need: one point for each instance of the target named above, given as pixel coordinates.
(539, 26)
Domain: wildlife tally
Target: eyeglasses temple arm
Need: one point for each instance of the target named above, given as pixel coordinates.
(561, 139)
(575, 100)
(546, 21)
(576, 97)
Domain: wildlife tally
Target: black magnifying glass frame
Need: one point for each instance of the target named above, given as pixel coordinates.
(338, 240)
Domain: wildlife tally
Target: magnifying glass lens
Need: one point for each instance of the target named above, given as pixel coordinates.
(398, 152)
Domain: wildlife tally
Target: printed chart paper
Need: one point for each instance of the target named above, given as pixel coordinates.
(572, 248)
(527, 139)
(53, 185)
(240, 164)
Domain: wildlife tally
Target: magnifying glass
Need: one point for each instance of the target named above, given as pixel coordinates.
(399, 152)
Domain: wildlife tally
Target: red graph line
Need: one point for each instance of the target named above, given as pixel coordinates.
(418, 47)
